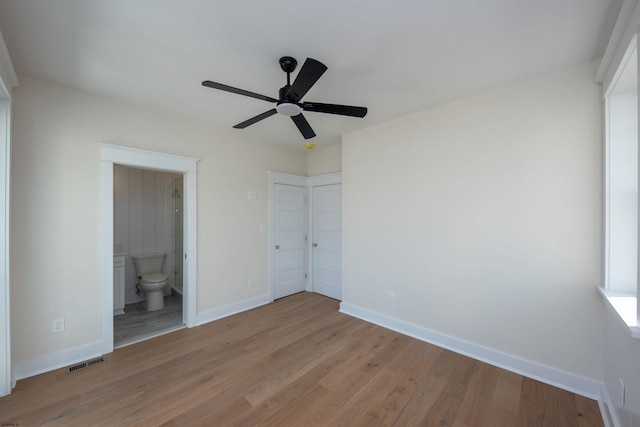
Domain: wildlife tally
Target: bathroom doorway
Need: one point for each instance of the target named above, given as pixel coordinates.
(147, 212)
(111, 155)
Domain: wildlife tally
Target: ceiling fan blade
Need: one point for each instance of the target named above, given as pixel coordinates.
(255, 119)
(343, 110)
(303, 126)
(226, 88)
(309, 74)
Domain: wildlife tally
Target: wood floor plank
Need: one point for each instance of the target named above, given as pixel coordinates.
(458, 370)
(386, 409)
(313, 398)
(362, 401)
(387, 353)
(431, 386)
(361, 355)
(505, 400)
(477, 401)
(297, 361)
(226, 415)
(545, 405)
(588, 412)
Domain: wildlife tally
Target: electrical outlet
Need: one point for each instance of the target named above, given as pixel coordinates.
(252, 194)
(252, 282)
(58, 325)
(392, 297)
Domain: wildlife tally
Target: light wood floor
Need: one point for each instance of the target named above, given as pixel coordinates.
(296, 362)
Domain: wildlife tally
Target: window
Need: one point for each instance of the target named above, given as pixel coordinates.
(621, 189)
(621, 117)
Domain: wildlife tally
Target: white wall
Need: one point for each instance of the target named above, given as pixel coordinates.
(324, 160)
(484, 217)
(56, 209)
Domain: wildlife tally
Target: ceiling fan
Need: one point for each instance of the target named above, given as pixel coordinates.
(290, 95)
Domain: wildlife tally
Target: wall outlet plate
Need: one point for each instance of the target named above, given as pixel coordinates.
(58, 325)
(392, 297)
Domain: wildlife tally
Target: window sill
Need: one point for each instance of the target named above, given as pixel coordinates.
(625, 304)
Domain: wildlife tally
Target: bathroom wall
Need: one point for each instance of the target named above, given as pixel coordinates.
(143, 206)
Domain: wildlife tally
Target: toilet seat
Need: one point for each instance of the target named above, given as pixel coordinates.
(154, 278)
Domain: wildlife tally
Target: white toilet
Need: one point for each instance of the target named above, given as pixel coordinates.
(152, 280)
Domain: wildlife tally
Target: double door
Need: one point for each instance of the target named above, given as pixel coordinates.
(307, 240)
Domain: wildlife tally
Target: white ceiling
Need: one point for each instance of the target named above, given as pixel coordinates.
(394, 57)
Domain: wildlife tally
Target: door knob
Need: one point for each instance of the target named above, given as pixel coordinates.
(277, 247)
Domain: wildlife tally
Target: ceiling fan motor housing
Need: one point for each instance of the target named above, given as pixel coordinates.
(285, 105)
(288, 64)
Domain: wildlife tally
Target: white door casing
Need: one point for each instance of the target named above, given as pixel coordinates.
(6, 368)
(327, 240)
(115, 154)
(289, 234)
(8, 80)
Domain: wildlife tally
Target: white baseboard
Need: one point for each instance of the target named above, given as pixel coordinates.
(50, 362)
(228, 310)
(545, 374)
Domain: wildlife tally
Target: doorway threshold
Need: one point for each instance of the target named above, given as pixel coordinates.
(136, 339)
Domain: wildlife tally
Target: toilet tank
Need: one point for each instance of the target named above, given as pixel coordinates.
(148, 263)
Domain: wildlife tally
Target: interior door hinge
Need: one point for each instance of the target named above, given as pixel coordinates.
(305, 275)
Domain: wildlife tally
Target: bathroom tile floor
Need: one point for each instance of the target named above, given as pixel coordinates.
(137, 324)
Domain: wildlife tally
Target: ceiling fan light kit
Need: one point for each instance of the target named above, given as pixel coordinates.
(290, 95)
(288, 109)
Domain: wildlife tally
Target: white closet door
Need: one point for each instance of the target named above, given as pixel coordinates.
(327, 240)
(289, 255)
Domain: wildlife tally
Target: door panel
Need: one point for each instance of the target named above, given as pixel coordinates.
(327, 239)
(289, 240)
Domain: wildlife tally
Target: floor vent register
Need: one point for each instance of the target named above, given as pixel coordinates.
(86, 364)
